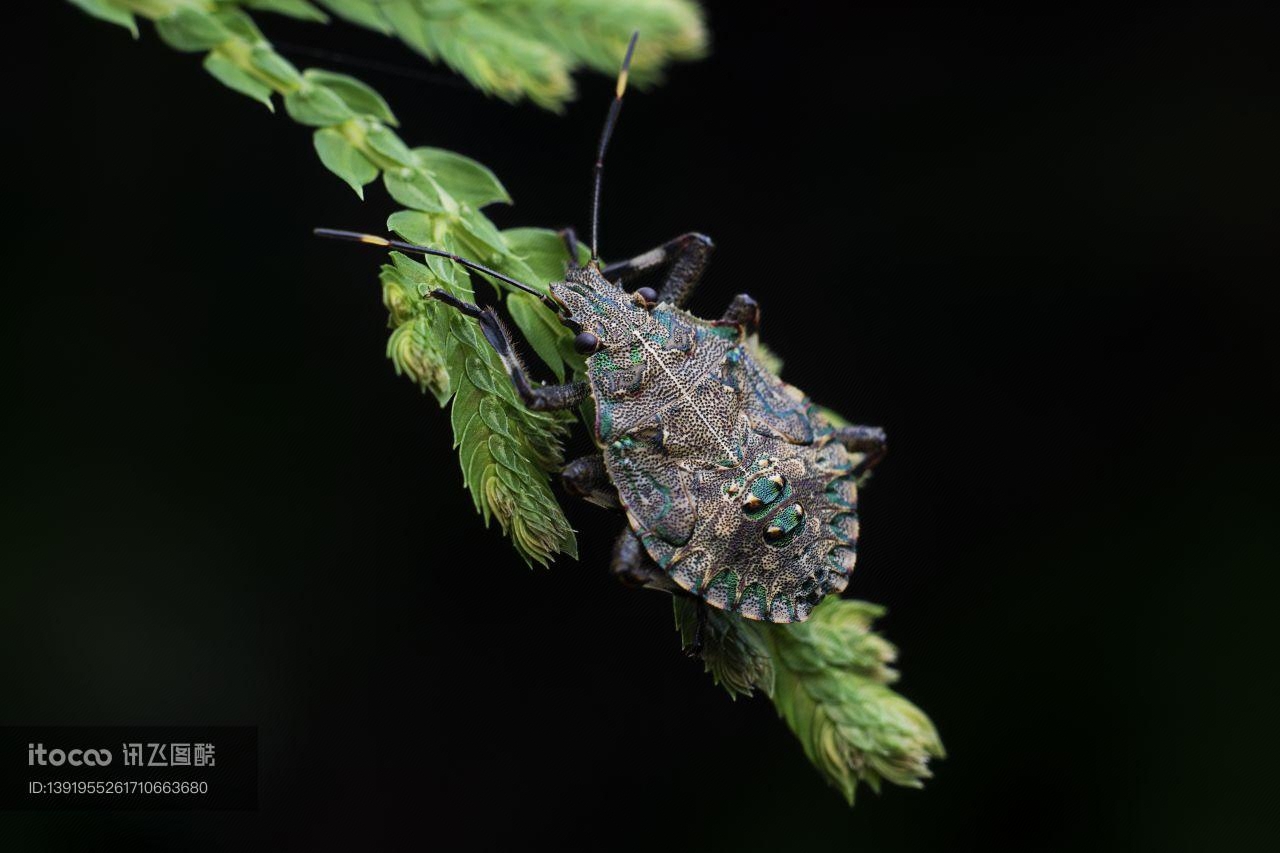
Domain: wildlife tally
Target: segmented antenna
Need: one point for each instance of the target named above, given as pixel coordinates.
(375, 240)
(607, 132)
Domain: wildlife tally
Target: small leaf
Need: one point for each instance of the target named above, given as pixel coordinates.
(274, 66)
(343, 159)
(487, 239)
(467, 180)
(543, 251)
(191, 30)
(234, 77)
(361, 12)
(240, 24)
(360, 97)
(104, 11)
(416, 227)
(413, 189)
(384, 141)
(314, 105)
(300, 9)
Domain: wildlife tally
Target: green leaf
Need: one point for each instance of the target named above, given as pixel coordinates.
(518, 48)
(275, 67)
(239, 24)
(386, 144)
(234, 77)
(192, 30)
(358, 96)
(830, 686)
(486, 240)
(104, 11)
(314, 105)
(413, 189)
(543, 252)
(416, 227)
(732, 652)
(361, 12)
(539, 329)
(467, 180)
(343, 159)
(300, 9)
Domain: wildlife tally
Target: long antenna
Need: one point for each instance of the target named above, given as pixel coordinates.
(609, 122)
(375, 240)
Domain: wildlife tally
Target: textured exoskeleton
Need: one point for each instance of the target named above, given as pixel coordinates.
(738, 489)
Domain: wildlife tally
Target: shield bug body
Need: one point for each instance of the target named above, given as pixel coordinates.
(736, 488)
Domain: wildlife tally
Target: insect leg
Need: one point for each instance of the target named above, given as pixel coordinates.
(586, 478)
(570, 238)
(539, 398)
(742, 311)
(686, 258)
(695, 648)
(632, 565)
(868, 440)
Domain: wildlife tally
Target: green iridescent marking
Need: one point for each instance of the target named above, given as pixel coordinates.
(755, 593)
(728, 579)
(768, 489)
(604, 417)
(636, 356)
(756, 505)
(784, 526)
(836, 522)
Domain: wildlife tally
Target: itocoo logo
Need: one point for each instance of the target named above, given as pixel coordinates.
(37, 754)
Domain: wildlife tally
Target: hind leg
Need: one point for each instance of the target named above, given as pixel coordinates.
(632, 565)
(867, 440)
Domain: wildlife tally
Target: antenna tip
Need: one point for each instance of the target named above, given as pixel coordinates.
(371, 239)
(626, 64)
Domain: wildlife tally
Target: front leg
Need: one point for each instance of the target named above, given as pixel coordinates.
(541, 398)
(686, 256)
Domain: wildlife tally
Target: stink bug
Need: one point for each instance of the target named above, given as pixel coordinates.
(737, 489)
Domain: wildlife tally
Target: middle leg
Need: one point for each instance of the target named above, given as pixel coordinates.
(586, 477)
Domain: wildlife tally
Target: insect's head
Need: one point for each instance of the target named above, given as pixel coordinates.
(603, 315)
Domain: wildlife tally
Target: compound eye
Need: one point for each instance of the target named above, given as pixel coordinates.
(586, 343)
(649, 295)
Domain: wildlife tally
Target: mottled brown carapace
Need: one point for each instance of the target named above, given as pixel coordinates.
(739, 490)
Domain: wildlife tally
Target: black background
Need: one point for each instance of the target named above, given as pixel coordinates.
(1037, 248)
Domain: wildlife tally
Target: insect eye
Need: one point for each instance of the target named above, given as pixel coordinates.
(649, 295)
(586, 343)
